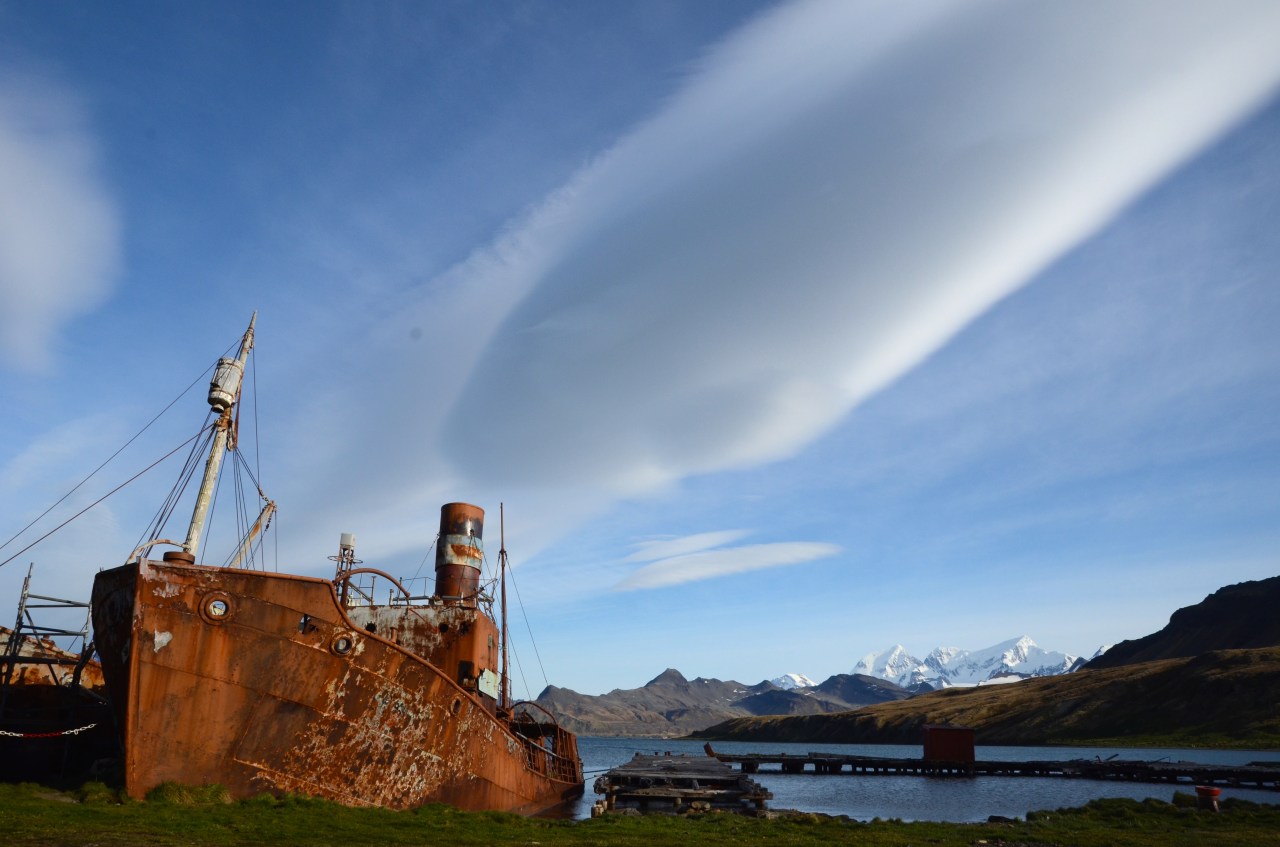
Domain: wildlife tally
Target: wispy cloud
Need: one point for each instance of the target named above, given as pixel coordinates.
(838, 190)
(710, 563)
(648, 551)
(59, 229)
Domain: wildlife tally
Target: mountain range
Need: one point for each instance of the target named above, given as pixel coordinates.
(669, 704)
(945, 667)
(1211, 677)
(1235, 617)
(1223, 698)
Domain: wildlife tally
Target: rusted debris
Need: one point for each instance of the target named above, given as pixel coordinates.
(54, 723)
(677, 784)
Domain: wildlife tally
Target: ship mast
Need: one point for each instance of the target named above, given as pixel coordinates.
(224, 391)
(505, 702)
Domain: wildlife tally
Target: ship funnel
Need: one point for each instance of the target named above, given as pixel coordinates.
(460, 550)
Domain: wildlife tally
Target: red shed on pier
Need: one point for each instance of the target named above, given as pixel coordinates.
(945, 743)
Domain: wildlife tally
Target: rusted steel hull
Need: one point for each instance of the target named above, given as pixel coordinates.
(262, 682)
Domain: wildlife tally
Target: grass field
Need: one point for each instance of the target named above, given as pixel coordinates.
(32, 815)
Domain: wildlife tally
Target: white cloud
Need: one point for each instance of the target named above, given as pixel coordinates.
(707, 564)
(839, 190)
(649, 551)
(59, 229)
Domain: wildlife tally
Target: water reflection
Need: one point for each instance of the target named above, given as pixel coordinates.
(922, 798)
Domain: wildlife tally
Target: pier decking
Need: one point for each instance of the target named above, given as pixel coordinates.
(1187, 773)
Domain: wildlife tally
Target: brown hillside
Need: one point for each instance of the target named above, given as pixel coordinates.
(1231, 618)
(1231, 695)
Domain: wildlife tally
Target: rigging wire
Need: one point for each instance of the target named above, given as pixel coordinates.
(184, 477)
(100, 499)
(257, 437)
(425, 556)
(238, 506)
(213, 509)
(158, 523)
(123, 447)
(525, 614)
(243, 513)
(165, 513)
(515, 657)
(175, 495)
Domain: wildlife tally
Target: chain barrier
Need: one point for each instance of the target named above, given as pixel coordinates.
(75, 731)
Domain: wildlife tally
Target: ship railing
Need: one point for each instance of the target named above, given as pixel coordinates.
(419, 592)
(550, 749)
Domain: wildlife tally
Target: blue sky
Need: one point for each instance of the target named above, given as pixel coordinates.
(786, 332)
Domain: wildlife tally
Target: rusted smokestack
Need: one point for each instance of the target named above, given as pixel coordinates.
(460, 550)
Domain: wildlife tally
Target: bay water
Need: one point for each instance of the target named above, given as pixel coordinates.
(924, 798)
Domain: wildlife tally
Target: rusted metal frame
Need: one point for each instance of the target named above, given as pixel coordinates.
(14, 645)
(18, 636)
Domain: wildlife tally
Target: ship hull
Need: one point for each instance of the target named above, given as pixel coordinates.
(260, 682)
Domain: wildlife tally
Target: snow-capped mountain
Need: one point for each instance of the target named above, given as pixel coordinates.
(892, 664)
(948, 666)
(792, 681)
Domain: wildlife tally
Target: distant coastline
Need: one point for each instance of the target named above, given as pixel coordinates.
(1224, 699)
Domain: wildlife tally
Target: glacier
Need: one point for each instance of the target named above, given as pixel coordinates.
(946, 667)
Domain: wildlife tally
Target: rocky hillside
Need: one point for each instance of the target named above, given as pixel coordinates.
(1225, 698)
(670, 705)
(1238, 616)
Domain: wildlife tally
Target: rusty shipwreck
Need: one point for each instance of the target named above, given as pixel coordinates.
(270, 682)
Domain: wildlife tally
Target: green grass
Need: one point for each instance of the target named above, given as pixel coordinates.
(35, 816)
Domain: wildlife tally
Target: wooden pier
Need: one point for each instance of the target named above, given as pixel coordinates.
(678, 784)
(1263, 775)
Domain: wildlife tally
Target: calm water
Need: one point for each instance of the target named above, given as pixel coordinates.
(920, 798)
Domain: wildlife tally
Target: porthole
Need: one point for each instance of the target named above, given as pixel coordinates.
(217, 607)
(342, 643)
(456, 705)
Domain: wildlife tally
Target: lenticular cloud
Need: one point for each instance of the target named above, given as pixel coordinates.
(59, 232)
(836, 191)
